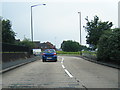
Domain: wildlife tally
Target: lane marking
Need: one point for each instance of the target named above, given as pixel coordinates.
(68, 73)
(63, 66)
(62, 60)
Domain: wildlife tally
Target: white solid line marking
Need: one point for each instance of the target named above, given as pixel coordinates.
(63, 66)
(68, 73)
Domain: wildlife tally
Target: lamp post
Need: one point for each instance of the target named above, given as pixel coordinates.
(119, 14)
(80, 25)
(32, 20)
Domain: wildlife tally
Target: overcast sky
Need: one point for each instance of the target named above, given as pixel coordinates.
(58, 20)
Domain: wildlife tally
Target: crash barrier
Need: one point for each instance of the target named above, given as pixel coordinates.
(12, 52)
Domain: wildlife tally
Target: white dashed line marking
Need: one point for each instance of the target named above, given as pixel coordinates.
(70, 75)
(62, 60)
(63, 66)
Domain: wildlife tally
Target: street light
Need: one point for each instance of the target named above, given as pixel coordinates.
(32, 20)
(80, 25)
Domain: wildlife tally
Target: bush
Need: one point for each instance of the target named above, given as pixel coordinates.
(26, 42)
(109, 45)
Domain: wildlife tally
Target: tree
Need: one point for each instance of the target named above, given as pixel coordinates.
(95, 29)
(85, 48)
(26, 42)
(70, 46)
(8, 36)
(109, 45)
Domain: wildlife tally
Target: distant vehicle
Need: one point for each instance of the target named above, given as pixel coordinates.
(49, 55)
(37, 52)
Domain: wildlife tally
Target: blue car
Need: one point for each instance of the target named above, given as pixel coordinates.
(49, 55)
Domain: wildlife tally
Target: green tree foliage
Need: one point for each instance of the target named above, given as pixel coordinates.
(95, 29)
(8, 36)
(70, 46)
(109, 45)
(85, 48)
(26, 42)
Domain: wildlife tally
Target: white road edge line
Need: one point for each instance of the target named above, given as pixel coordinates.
(68, 73)
(63, 66)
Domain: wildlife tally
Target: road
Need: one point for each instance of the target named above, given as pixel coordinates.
(67, 72)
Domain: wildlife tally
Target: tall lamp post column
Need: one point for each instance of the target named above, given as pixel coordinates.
(31, 26)
(32, 20)
(80, 25)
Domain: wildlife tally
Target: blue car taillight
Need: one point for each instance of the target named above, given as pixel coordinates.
(43, 53)
(54, 54)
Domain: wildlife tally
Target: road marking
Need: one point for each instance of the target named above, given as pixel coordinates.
(62, 60)
(68, 73)
(63, 66)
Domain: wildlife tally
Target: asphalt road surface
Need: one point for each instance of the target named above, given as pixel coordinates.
(67, 72)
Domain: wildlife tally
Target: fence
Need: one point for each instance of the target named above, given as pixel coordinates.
(12, 52)
(14, 48)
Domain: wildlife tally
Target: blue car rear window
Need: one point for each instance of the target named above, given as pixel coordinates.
(49, 51)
